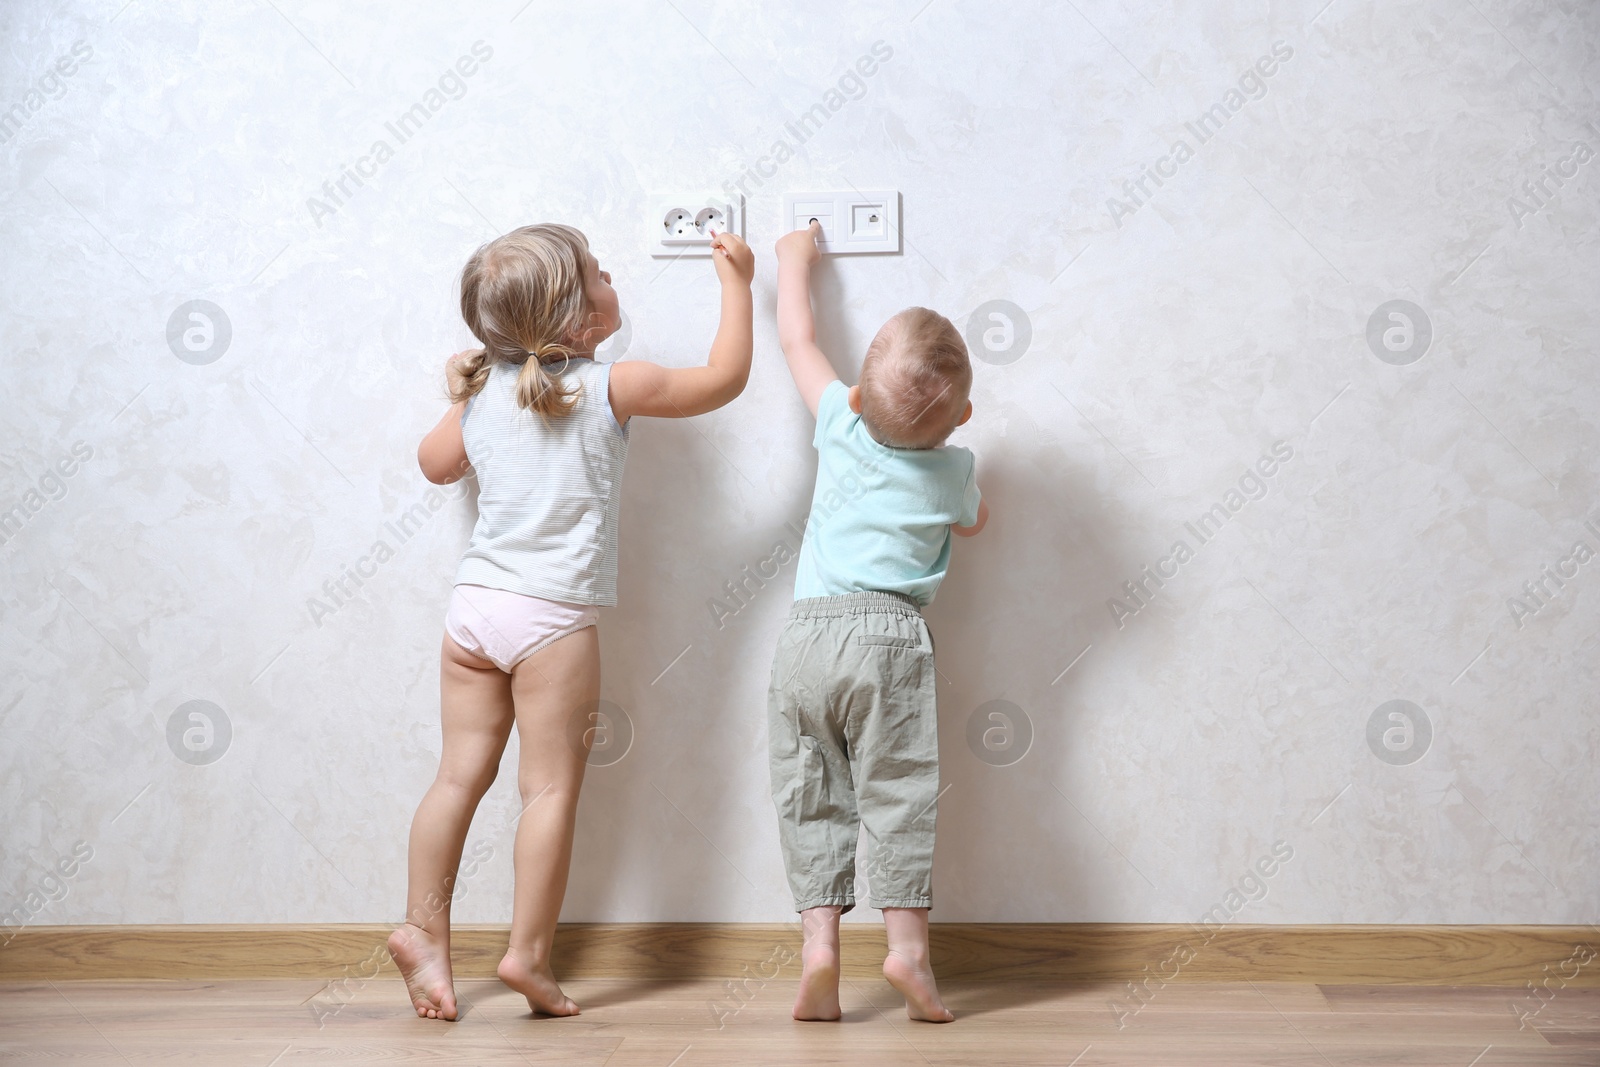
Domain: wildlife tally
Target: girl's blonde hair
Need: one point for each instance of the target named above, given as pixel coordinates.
(522, 295)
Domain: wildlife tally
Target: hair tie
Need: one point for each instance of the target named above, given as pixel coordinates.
(566, 358)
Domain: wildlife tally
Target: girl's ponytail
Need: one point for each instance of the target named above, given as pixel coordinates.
(537, 389)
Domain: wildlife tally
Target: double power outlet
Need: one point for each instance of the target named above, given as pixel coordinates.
(852, 222)
(684, 225)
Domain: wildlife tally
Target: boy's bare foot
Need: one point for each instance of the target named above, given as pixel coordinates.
(914, 980)
(538, 984)
(425, 965)
(818, 1000)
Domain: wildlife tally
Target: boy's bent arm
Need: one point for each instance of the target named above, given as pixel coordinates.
(641, 388)
(975, 528)
(797, 333)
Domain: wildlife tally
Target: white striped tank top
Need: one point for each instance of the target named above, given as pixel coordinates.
(547, 489)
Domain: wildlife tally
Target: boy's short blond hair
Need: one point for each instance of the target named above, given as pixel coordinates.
(915, 380)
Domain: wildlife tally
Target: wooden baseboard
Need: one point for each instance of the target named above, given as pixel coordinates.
(1088, 952)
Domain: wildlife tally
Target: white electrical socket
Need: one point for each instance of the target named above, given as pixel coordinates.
(681, 225)
(852, 222)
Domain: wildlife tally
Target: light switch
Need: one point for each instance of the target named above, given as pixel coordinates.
(804, 212)
(853, 221)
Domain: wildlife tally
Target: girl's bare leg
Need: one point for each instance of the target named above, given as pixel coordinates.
(475, 714)
(552, 689)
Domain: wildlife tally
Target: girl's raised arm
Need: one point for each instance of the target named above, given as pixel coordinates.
(641, 388)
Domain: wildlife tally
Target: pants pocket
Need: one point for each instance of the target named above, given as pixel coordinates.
(887, 640)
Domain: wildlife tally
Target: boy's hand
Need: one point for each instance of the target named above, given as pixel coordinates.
(733, 259)
(800, 247)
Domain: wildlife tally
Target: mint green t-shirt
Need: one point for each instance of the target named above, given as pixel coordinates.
(880, 516)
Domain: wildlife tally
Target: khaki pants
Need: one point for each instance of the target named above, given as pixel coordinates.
(853, 740)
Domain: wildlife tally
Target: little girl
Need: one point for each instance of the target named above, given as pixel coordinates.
(545, 428)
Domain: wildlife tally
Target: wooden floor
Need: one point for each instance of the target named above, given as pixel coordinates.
(676, 1024)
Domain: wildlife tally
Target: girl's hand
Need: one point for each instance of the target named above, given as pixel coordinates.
(452, 368)
(733, 259)
(800, 246)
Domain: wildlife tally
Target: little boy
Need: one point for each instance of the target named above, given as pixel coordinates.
(852, 715)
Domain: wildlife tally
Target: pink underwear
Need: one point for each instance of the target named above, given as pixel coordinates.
(506, 628)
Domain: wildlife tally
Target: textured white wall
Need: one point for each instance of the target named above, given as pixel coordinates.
(1179, 334)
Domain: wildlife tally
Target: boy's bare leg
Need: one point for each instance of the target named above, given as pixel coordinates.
(819, 965)
(550, 688)
(475, 715)
(908, 968)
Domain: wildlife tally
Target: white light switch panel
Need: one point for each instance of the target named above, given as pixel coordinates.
(853, 221)
(681, 224)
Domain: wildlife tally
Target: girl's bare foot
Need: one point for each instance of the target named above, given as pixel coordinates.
(425, 965)
(819, 984)
(914, 980)
(538, 984)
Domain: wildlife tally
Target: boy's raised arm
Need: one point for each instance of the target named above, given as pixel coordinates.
(797, 332)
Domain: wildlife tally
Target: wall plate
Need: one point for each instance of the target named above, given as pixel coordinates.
(853, 221)
(681, 224)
